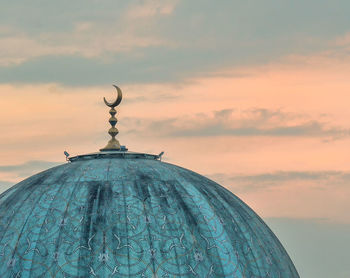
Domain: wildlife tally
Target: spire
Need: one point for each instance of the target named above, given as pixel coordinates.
(113, 144)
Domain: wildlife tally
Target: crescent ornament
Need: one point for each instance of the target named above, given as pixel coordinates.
(117, 101)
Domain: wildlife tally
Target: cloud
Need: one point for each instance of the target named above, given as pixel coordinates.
(119, 30)
(158, 41)
(83, 41)
(151, 8)
(278, 178)
(343, 41)
(94, 71)
(28, 168)
(231, 122)
(154, 98)
(301, 194)
(294, 175)
(265, 181)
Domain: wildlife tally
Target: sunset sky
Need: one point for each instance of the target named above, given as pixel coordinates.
(252, 94)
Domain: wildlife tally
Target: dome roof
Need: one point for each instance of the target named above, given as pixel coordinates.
(131, 215)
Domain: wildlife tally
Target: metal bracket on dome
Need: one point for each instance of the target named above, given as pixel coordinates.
(66, 155)
(160, 156)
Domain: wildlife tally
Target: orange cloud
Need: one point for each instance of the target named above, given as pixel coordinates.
(39, 122)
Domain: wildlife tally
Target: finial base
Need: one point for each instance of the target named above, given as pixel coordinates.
(113, 145)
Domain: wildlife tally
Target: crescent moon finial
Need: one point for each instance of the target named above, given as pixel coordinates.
(117, 101)
(113, 144)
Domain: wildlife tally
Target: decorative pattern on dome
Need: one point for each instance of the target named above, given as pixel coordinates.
(132, 218)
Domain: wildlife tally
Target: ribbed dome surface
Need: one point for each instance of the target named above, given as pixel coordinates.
(132, 217)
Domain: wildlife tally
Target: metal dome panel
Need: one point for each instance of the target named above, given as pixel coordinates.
(132, 217)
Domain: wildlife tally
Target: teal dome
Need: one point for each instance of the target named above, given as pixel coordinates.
(131, 215)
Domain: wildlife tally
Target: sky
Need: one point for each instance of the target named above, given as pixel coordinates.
(252, 94)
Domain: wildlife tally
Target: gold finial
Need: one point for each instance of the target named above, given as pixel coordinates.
(113, 144)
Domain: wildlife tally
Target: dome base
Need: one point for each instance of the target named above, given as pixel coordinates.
(114, 154)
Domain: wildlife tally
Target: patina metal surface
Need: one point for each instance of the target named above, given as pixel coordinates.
(103, 216)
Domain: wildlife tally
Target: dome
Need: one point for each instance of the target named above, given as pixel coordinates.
(117, 213)
(123, 214)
